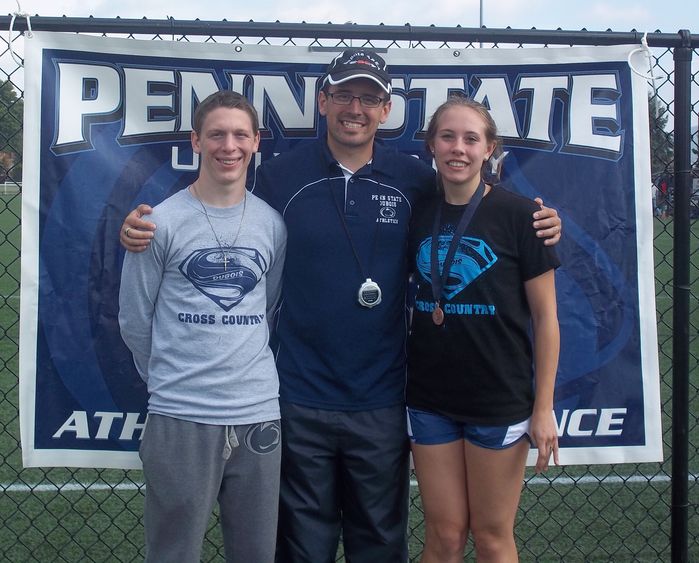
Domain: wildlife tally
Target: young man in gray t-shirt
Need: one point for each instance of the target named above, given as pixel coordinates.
(194, 311)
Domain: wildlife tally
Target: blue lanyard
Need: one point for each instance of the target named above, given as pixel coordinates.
(438, 281)
(341, 214)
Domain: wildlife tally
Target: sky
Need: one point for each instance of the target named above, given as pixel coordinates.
(667, 16)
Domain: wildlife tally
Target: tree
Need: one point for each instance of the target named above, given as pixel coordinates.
(11, 119)
(661, 141)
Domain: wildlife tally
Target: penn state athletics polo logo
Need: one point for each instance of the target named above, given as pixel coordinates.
(473, 257)
(263, 438)
(388, 208)
(225, 275)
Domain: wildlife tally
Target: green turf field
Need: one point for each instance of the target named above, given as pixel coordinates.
(574, 514)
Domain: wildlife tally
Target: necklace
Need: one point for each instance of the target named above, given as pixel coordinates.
(224, 254)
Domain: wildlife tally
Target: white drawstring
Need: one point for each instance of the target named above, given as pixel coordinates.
(231, 441)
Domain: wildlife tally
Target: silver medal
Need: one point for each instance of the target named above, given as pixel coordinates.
(369, 294)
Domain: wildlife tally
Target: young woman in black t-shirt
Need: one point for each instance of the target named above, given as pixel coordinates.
(474, 400)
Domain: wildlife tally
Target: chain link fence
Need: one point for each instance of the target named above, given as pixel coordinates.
(575, 513)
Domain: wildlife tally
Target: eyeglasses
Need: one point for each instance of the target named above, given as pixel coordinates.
(345, 99)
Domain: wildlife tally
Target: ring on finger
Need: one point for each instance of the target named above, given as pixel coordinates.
(126, 232)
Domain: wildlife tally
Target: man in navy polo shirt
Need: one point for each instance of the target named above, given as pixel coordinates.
(341, 327)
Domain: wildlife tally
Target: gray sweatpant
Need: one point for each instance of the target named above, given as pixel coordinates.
(188, 467)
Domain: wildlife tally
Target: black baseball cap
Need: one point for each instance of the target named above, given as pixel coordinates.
(358, 63)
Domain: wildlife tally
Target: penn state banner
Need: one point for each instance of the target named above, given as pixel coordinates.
(107, 126)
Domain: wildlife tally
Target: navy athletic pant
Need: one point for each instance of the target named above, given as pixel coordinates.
(343, 474)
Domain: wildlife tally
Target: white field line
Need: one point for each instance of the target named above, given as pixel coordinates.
(74, 486)
(592, 480)
(70, 487)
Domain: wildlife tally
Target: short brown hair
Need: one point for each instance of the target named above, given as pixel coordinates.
(224, 99)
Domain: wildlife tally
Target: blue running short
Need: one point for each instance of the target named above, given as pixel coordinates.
(428, 429)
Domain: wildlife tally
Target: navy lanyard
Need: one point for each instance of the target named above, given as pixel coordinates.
(438, 281)
(349, 236)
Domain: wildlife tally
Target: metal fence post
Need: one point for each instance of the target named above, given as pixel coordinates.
(681, 294)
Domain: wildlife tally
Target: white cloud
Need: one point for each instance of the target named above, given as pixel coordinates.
(619, 17)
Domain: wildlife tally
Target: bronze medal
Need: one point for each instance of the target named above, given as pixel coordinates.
(437, 315)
